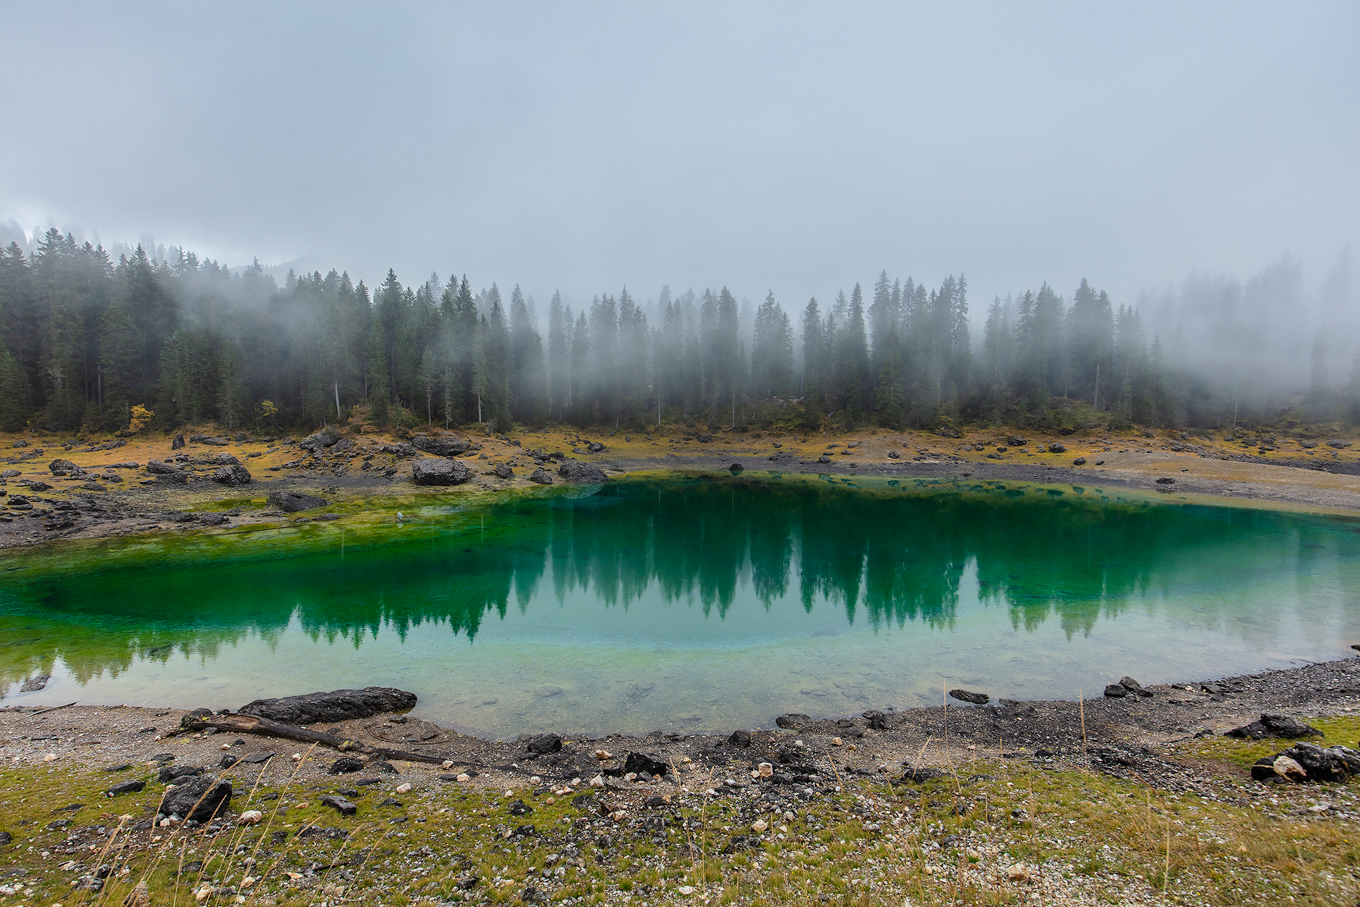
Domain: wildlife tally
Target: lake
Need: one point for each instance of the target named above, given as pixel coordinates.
(688, 602)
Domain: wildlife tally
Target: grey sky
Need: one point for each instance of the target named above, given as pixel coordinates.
(790, 147)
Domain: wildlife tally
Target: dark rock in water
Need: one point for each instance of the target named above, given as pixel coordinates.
(520, 808)
(171, 773)
(736, 467)
(232, 476)
(327, 437)
(345, 765)
(739, 738)
(337, 705)
(877, 720)
(294, 501)
(35, 684)
(1166, 480)
(439, 472)
(583, 473)
(970, 696)
(127, 787)
(595, 447)
(793, 721)
(60, 467)
(1274, 726)
(1079, 461)
(644, 764)
(198, 800)
(178, 443)
(340, 804)
(504, 472)
(541, 476)
(542, 744)
(440, 445)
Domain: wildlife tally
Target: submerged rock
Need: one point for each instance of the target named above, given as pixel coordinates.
(583, 473)
(337, 705)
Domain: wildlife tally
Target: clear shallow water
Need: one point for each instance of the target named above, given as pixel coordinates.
(689, 603)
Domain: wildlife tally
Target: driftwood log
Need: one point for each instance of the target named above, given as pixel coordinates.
(250, 724)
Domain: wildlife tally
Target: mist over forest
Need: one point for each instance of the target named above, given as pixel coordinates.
(89, 333)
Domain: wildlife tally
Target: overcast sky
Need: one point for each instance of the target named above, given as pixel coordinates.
(798, 148)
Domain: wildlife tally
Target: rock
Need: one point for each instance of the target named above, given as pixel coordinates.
(541, 476)
(337, 705)
(1274, 726)
(340, 805)
(644, 764)
(542, 744)
(439, 472)
(178, 443)
(1057, 447)
(35, 684)
(1079, 461)
(739, 739)
(345, 765)
(970, 696)
(293, 502)
(582, 473)
(794, 721)
(232, 476)
(877, 720)
(504, 472)
(1288, 769)
(440, 445)
(127, 787)
(199, 800)
(1134, 687)
(327, 437)
(60, 467)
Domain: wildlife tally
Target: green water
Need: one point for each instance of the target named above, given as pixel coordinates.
(688, 603)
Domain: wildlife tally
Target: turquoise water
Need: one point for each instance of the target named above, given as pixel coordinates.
(689, 603)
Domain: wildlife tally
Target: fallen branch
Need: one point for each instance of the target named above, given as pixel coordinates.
(250, 724)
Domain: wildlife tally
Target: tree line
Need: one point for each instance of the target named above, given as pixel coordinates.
(83, 339)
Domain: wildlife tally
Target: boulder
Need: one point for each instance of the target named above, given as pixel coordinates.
(439, 472)
(198, 800)
(441, 445)
(60, 467)
(542, 744)
(294, 501)
(583, 473)
(231, 476)
(337, 705)
(644, 764)
(970, 696)
(1274, 726)
(324, 438)
(541, 476)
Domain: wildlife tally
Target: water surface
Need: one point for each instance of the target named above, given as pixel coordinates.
(689, 603)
